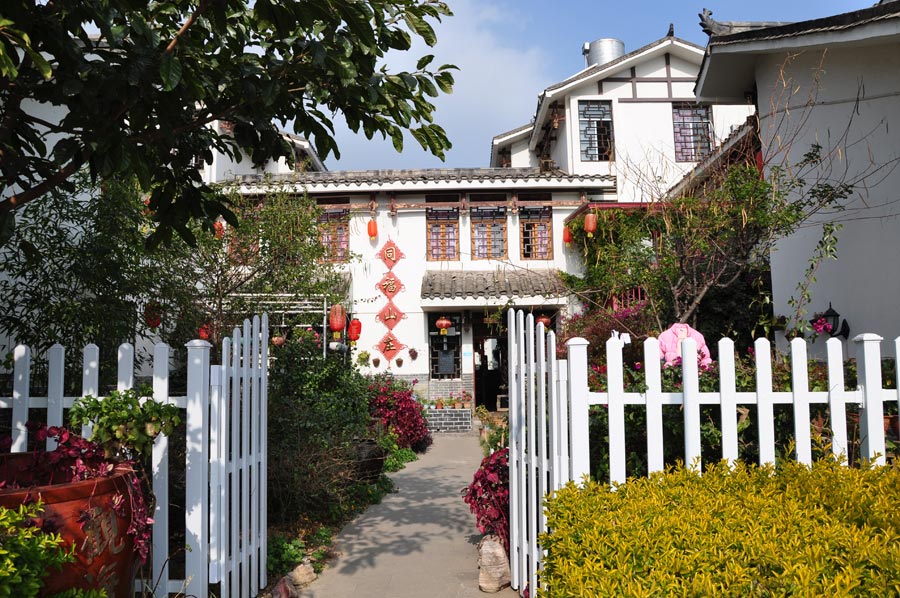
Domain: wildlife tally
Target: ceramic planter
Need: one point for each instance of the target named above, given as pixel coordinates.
(83, 514)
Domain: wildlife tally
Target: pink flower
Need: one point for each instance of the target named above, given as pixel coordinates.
(637, 365)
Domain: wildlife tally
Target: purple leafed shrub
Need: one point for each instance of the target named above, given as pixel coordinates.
(488, 496)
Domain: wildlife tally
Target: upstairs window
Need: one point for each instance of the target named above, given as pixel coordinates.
(442, 229)
(488, 233)
(535, 228)
(334, 234)
(595, 128)
(693, 132)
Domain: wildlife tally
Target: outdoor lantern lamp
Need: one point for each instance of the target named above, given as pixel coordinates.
(373, 229)
(833, 319)
(337, 318)
(567, 235)
(353, 330)
(443, 323)
(590, 224)
(544, 319)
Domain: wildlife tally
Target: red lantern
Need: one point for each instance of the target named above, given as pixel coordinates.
(373, 229)
(590, 224)
(336, 319)
(443, 324)
(153, 314)
(203, 332)
(353, 330)
(545, 320)
(567, 235)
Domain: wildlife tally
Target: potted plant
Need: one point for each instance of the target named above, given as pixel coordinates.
(439, 404)
(466, 399)
(362, 358)
(90, 492)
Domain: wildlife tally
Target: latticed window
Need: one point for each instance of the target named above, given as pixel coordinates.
(535, 226)
(488, 233)
(595, 127)
(334, 234)
(442, 226)
(693, 132)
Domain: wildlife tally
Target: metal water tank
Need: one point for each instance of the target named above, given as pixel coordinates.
(603, 50)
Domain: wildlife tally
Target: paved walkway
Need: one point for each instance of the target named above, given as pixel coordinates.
(420, 541)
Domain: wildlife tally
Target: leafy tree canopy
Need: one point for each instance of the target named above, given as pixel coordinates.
(126, 87)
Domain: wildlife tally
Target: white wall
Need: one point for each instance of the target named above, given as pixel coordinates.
(863, 146)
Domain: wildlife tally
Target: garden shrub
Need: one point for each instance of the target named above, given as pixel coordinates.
(318, 411)
(828, 530)
(393, 403)
(488, 496)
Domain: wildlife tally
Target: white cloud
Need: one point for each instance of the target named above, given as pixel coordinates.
(496, 90)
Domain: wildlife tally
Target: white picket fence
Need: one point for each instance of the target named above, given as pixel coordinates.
(225, 416)
(549, 402)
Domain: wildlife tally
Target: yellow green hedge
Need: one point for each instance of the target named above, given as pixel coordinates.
(828, 530)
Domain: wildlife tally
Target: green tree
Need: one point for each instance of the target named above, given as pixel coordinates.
(682, 250)
(127, 88)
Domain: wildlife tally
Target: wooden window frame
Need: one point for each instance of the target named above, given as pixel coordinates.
(595, 119)
(692, 131)
(443, 219)
(493, 217)
(333, 223)
(535, 216)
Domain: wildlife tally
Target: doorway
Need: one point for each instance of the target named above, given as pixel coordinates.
(489, 354)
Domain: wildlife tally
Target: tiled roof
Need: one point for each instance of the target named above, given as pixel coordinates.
(452, 284)
(881, 11)
(521, 129)
(367, 177)
(588, 72)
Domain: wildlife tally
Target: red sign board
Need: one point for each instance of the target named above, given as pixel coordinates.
(390, 315)
(390, 346)
(390, 254)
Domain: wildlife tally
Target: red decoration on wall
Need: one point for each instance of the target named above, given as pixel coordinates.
(390, 315)
(337, 319)
(373, 229)
(390, 346)
(567, 235)
(353, 330)
(390, 285)
(390, 254)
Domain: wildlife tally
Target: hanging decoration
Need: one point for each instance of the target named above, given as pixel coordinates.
(590, 224)
(443, 323)
(353, 330)
(544, 319)
(337, 319)
(390, 285)
(390, 346)
(567, 236)
(373, 229)
(390, 315)
(390, 254)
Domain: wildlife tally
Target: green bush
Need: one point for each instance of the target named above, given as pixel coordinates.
(28, 555)
(828, 530)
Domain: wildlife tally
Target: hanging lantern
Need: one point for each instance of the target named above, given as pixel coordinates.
(590, 224)
(544, 319)
(337, 317)
(567, 235)
(153, 314)
(373, 229)
(353, 330)
(443, 323)
(204, 331)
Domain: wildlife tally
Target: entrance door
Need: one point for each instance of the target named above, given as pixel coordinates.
(489, 353)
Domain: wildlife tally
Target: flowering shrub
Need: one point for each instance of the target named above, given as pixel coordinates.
(488, 496)
(393, 403)
(821, 326)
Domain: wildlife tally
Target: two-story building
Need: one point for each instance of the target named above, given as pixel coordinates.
(452, 248)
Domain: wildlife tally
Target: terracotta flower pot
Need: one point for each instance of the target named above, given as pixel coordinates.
(83, 513)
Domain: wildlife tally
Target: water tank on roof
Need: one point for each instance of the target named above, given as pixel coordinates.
(603, 50)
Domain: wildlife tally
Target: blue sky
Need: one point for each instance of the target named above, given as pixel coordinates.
(508, 51)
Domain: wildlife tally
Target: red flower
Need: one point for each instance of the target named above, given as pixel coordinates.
(203, 332)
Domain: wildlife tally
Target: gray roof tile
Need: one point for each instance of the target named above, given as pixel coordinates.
(453, 284)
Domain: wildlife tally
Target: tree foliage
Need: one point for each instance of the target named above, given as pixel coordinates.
(680, 251)
(130, 88)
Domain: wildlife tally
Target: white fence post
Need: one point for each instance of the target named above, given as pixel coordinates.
(579, 437)
(90, 380)
(196, 509)
(765, 411)
(615, 380)
(837, 408)
(653, 374)
(125, 372)
(55, 389)
(21, 397)
(690, 378)
(160, 476)
(728, 398)
(800, 387)
(871, 416)
(263, 415)
(516, 479)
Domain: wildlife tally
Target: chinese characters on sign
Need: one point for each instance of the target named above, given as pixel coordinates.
(390, 315)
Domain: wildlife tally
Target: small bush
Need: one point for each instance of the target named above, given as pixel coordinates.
(393, 403)
(488, 496)
(27, 555)
(828, 530)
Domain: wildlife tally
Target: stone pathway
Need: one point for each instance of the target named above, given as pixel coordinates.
(420, 541)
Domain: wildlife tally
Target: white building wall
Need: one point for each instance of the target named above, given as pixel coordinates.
(862, 143)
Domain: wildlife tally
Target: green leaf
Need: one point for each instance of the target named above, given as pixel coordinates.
(424, 61)
(170, 71)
